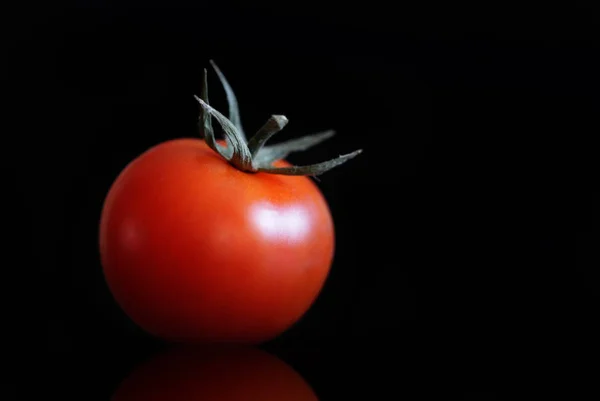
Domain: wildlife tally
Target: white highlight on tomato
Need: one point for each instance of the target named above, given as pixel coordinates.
(290, 223)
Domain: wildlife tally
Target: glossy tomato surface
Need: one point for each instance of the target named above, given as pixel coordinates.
(195, 250)
(244, 374)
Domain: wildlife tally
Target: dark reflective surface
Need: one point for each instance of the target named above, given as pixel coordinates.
(214, 373)
(360, 370)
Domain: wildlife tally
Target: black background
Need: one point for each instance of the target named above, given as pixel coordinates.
(466, 245)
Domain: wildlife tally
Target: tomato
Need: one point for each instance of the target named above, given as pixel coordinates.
(207, 241)
(244, 374)
(195, 250)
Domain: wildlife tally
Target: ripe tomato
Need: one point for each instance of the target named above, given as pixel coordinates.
(244, 374)
(206, 241)
(194, 249)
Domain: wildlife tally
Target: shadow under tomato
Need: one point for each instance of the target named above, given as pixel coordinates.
(216, 373)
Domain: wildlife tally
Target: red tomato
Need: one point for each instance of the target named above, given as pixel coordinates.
(196, 250)
(244, 374)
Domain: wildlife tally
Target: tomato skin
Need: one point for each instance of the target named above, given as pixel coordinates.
(235, 374)
(195, 250)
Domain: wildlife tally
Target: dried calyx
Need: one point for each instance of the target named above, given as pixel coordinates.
(253, 155)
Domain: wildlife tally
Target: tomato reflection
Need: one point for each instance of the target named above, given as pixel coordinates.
(224, 374)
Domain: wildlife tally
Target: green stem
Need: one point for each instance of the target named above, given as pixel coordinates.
(312, 169)
(253, 156)
(234, 110)
(271, 127)
(269, 154)
(240, 157)
(207, 129)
